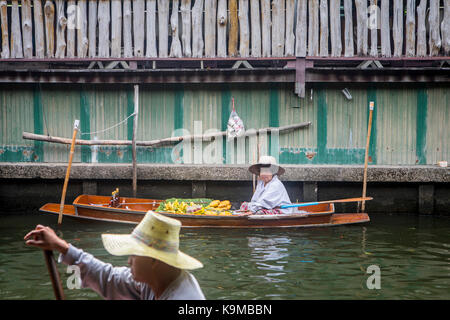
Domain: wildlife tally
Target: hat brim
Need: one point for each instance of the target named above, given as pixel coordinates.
(125, 244)
(256, 167)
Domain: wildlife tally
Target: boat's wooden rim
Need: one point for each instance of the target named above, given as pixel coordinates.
(337, 222)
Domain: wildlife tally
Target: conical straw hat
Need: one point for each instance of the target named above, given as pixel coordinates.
(156, 236)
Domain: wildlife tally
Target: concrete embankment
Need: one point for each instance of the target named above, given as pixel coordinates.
(24, 187)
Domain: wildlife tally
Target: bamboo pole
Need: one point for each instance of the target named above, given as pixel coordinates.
(153, 143)
(66, 180)
(135, 125)
(366, 157)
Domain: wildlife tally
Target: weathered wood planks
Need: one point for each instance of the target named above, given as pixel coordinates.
(223, 28)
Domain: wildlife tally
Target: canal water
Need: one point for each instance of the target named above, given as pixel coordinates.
(411, 255)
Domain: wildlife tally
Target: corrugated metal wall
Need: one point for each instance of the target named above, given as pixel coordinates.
(410, 124)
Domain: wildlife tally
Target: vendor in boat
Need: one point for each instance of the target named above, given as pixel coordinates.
(157, 267)
(270, 192)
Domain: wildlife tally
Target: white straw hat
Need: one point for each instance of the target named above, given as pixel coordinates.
(156, 236)
(266, 161)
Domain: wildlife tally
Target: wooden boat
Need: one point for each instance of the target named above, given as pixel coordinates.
(132, 210)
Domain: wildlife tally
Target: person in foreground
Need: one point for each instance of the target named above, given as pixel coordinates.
(157, 266)
(270, 192)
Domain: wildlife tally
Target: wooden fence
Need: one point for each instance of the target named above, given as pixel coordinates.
(223, 28)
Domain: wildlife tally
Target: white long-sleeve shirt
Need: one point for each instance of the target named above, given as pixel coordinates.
(272, 195)
(114, 283)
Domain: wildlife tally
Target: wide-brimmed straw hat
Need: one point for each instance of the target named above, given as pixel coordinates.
(266, 162)
(156, 236)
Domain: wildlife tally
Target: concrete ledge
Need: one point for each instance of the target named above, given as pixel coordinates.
(112, 171)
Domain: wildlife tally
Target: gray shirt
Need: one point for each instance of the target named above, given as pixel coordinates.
(272, 195)
(114, 283)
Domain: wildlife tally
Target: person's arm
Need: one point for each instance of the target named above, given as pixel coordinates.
(273, 196)
(109, 282)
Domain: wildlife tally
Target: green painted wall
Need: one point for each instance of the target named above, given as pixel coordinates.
(410, 124)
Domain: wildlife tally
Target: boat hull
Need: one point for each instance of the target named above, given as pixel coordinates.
(132, 212)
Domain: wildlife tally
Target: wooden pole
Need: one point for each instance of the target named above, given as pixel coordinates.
(54, 275)
(66, 180)
(363, 205)
(135, 124)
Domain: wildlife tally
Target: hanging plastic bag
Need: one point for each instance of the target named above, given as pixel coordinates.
(235, 126)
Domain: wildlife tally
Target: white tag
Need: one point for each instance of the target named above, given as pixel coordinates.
(76, 124)
(372, 105)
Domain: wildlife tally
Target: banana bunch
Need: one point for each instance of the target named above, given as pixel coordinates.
(176, 207)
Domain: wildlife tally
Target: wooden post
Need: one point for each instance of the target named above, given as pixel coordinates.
(49, 13)
(116, 29)
(244, 36)
(138, 26)
(313, 28)
(255, 29)
(175, 48)
(433, 20)
(278, 31)
(151, 29)
(197, 30)
(348, 37)
(366, 158)
(445, 28)
(397, 28)
(92, 28)
(163, 27)
(265, 27)
(82, 37)
(289, 46)
(54, 275)
(421, 29)
(186, 26)
(5, 35)
(16, 34)
(66, 180)
(335, 28)
(210, 28)
(301, 30)
(323, 48)
(61, 23)
(233, 32)
(373, 25)
(27, 29)
(72, 24)
(411, 28)
(385, 30)
(128, 28)
(222, 21)
(103, 28)
(361, 27)
(135, 125)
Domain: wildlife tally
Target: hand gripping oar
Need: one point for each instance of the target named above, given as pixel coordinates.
(296, 205)
(54, 275)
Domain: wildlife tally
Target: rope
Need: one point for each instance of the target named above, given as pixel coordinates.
(117, 124)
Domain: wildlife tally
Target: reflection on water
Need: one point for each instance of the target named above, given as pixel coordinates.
(413, 254)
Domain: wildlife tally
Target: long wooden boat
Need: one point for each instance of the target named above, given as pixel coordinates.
(132, 210)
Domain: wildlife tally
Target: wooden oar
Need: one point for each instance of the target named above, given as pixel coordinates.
(54, 275)
(296, 205)
(66, 180)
